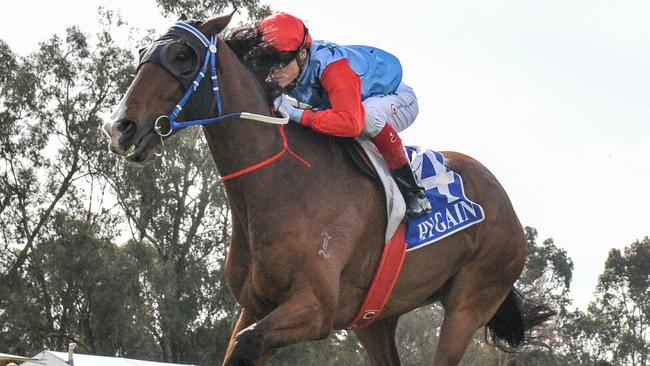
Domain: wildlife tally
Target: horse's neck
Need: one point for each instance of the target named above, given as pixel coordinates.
(238, 144)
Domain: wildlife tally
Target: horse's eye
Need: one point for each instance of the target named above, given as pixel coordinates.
(182, 57)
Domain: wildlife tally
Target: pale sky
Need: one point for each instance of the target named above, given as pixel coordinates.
(552, 96)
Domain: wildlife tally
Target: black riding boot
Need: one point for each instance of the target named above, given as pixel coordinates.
(417, 203)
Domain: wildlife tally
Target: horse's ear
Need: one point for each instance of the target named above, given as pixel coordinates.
(183, 17)
(217, 24)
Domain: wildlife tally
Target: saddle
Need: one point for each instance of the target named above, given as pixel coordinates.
(452, 210)
(358, 156)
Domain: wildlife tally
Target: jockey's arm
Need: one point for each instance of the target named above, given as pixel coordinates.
(346, 118)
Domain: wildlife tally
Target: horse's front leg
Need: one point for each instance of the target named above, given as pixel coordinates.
(245, 320)
(307, 313)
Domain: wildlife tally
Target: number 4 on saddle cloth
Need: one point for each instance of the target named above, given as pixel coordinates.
(451, 212)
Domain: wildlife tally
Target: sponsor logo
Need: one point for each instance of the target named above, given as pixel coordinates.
(447, 219)
(394, 108)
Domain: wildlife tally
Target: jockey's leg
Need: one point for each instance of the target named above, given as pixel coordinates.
(390, 147)
(385, 115)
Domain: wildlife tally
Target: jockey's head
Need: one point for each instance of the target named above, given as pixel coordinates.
(284, 32)
(290, 37)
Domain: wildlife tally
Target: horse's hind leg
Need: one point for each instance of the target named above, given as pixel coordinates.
(469, 305)
(378, 339)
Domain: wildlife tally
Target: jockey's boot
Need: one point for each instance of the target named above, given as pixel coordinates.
(417, 203)
(390, 146)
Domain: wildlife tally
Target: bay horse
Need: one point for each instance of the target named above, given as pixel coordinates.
(283, 214)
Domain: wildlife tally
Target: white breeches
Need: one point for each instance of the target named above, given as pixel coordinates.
(399, 109)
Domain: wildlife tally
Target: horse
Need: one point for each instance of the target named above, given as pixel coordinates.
(306, 242)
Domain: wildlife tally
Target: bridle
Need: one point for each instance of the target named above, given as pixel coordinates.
(205, 51)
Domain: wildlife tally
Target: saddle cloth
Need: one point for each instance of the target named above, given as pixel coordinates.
(452, 210)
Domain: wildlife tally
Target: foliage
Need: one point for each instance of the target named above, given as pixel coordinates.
(615, 328)
(187, 226)
(622, 306)
(78, 286)
(340, 348)
(53, 103)
(417, 335)
(209, 8)
(65, 201)
(548, 267)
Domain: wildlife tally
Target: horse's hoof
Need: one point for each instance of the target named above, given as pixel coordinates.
(248, 348)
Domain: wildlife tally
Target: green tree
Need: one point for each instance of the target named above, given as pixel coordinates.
(417, 335)
(549, 269)
(52, 103)
(177, 206)
(209, 8)
(58, 181)
(78, 286)
(622, 305)
(580, 341)
(340, 348)
(615, 328)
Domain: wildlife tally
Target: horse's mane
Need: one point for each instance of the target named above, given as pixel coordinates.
(260, 59)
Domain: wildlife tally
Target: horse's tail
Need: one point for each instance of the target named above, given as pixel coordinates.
(514, 323)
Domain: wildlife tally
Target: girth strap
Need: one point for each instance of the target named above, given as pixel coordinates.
(384, 281)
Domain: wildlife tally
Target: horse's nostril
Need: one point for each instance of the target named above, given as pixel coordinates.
(125, 127)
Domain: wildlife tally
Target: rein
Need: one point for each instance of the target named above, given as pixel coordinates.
(285, 148)
(211, 60)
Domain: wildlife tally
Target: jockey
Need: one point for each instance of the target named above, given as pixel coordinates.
(357, 90)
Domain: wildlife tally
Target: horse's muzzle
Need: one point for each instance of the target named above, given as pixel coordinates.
(121, 134)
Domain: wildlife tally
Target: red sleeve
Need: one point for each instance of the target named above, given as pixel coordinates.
(346, 118)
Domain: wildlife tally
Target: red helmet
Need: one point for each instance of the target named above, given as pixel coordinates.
(284, 32)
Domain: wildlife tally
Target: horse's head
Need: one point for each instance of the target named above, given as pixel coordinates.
(165, 71)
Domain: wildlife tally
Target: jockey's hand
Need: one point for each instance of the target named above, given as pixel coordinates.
(287, 107)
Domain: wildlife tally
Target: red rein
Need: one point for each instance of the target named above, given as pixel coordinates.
(285, 148)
